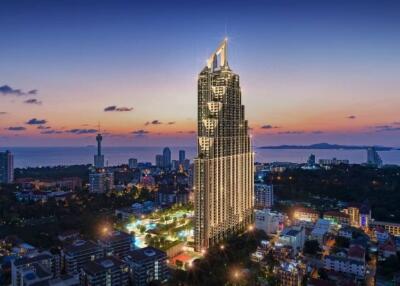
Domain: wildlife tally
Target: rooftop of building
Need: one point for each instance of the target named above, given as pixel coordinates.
(80, 245)
(344, 259)
(291, 231)
(115, 236)
(29, 260)
(145, 253)
(102, 264)
(356, 251)
(336, 214)
(306, 210)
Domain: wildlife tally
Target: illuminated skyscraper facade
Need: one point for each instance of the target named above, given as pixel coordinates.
(224, 167)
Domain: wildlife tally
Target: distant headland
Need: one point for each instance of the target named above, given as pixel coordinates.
(326, 146)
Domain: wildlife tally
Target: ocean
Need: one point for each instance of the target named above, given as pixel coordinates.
(54, 156)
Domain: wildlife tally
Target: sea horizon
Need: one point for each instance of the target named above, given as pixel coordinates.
(45, 156)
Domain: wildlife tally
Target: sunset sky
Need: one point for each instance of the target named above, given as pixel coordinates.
(310, 71)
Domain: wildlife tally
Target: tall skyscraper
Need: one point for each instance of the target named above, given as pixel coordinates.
(6, 167)
(182, 156)
(224, 167)
(99, 158)
(167, 157)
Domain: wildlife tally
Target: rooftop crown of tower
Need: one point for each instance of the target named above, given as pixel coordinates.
(221, 52)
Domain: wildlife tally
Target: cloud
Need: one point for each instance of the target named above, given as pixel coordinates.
(268, 126)
(187, 132)
(140, 132)
(384, 128)
(3, 112)
(51, 132)
(81, 131)
(33, 101)
(7, 90)
(291, 132)
(117, 109)
(16, 128)
(351, 117)
(154, 122)
(171, 122)
(317, 132)
(35, 121)
(42, 127)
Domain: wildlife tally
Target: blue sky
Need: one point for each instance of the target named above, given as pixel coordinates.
(311, 71)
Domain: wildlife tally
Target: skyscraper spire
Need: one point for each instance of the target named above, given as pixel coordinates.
(222, 52)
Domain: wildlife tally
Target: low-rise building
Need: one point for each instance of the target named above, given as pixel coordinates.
(388, 249)
(346, 232)
(146, 265)
(359, 215)
(345, 265)
(337, 217)
(292, 236)
(306, 214)
(333, 162)
(101, 181)
(381, 234)
(392, 228)
(321, 228)
(105, 271)
(268, 221)
(289, 274)
(32, 269)
(78, 253)
(356, 252)
(115, 243)
(263, 196)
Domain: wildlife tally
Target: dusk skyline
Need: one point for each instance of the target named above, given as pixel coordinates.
(310, 72)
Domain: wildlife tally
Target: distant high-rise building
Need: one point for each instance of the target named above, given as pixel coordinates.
(175, 165)
(311, 160)
(224, 167)
(101, 182)
(186, 164)
(182, 156)
(6, 167)
(167, 157)
(99, 158)
(133, 163)
(373, 157)
(159, 161)
(264, 196)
